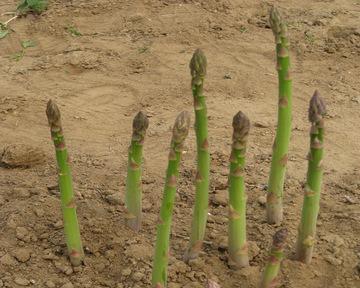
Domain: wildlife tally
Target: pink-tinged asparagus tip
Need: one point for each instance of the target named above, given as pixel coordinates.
(53, 115)
(198, 65)
(140, 124)
(241, 125)
(280, 237)
(181, 127)
(212, 284)
(317, 108)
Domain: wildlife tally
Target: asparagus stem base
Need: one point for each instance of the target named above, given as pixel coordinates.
(274, 210)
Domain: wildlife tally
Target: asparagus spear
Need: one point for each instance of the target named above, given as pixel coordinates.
(180, 132)
(133, 182)
(310, 210)
(71, 226)
(198, 65)
(269, 278)
(283, 132)
(238, 250)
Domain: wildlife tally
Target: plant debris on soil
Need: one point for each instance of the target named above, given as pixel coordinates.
(133, 55)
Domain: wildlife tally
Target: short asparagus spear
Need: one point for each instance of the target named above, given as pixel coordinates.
(307, 228)
(180, 132)
(283, 132)
(238, 250)
(269, 278)
(133, 195)
(71, 226)
(198, 65)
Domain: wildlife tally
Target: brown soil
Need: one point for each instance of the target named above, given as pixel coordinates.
(132, 55)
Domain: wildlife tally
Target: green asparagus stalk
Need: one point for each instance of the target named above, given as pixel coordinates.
(180, 132)
(133, 195)
(310, 210)
(198, 65)
(269, 278)
(238, 250)
(280, 149)
(71, 226)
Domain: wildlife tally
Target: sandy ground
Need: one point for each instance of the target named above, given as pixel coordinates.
(133, 55)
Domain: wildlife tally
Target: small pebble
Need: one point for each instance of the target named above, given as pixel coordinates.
(146, 205)
(50, 284)
(22, 234)
(21, 254)
(254, 249)
(100, 267)
(21, 281)
(261, 200)
(221, 198)
(332, 260)
(114, 199)
(8, 260)
(58, 224)
(126, 272)
(137, 276)
(223, 243)
(68, 285)
(39, 212)
(349, 200)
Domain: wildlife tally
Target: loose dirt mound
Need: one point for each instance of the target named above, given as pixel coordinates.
(134, 55)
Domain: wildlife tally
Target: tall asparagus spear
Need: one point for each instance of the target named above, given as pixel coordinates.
(307, 228)
(180, 132)
(269, 278)
(71, 226)
(133, 195)
(198, 65)
(283, 132)
(238, 250)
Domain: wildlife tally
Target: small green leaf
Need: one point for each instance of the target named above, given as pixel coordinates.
(35, 6)
(17, 56)
(143, 49)
(27, 44)
(3, 33)
(73, 31)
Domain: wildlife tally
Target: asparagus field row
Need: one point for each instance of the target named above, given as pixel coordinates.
(237, 239)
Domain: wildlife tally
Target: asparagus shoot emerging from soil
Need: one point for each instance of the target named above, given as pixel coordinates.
(238, 251)
(280, 148)
(133, 182)
(307, 228)
(269, 278)
(198, 65)
(71, 226)
(180, 132)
